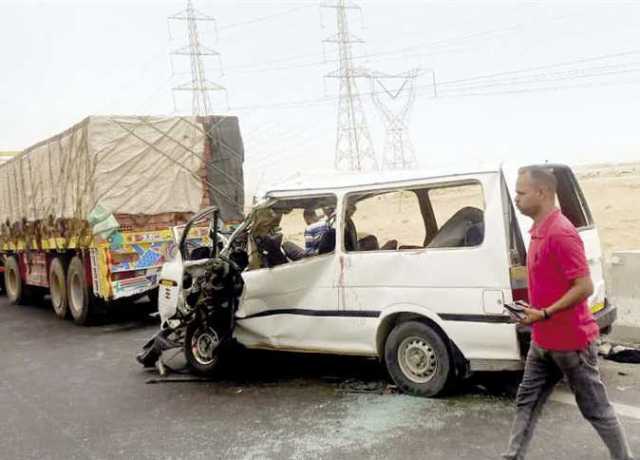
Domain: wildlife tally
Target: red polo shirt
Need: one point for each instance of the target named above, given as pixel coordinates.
(556, 257)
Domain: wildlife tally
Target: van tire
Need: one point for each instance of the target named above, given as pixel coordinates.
(198, 338)
(417, 359)
(13, 282)
(78, 293)
(58, 288)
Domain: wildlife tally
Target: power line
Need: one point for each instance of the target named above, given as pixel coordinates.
(540, 89)
(450, 87)
(263, 18)
(435, 47)
(547, 66)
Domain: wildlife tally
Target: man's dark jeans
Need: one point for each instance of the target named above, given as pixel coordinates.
(543, 370)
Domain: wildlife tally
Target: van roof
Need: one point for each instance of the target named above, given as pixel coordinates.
(334, 180)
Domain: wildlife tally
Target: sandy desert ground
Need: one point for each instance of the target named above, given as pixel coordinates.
(613, 193)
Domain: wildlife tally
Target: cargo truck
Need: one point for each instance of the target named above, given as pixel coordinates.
(88, 216)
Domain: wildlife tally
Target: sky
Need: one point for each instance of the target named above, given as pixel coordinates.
(520, 81)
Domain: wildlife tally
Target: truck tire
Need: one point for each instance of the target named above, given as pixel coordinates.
(16, 289)
(58, 288)
(77, 292)
(417, 359)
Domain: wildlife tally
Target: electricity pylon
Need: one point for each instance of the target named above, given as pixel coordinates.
(199, 86)
(395, 104)
(354, 148)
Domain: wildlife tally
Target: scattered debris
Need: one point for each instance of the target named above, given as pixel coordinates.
(391, 390)
(619, 353)
(183, 379)
(359, 386)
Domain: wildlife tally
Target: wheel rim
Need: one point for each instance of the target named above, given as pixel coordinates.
(417, 359)
(204, 343)
(76, 294)
(12, 283)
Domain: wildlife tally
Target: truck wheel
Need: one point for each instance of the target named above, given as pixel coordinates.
(202, 348)
(58, 288)
(16, 290)
(417, 359)
(78, 293)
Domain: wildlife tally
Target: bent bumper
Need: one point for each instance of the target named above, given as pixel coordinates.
(606, 317)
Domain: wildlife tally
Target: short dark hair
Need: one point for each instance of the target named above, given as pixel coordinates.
(541, 175)
(309, 212)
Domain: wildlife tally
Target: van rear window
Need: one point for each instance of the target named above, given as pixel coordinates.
(570, 198)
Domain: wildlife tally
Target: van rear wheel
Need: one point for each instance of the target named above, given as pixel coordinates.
(417, 359)
(78, 294)
(58, 288)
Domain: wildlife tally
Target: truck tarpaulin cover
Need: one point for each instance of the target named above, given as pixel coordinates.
(128, 165)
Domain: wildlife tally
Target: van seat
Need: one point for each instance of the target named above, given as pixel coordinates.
(465, 228)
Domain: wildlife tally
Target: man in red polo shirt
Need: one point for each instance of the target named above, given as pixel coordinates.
(564, 332)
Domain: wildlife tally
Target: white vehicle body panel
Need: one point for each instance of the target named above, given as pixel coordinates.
(337, 303)
(290, 306)
(170, 296)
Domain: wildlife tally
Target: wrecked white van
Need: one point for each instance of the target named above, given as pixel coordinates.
(411, 268)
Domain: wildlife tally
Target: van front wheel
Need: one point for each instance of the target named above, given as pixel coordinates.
(417, 359)
(203, 347)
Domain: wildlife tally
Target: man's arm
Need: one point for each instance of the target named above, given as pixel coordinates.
(580, 289)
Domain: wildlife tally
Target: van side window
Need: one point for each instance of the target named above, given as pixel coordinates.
(570, 199)
(459, 215)
(383, 221)
(291, 230)
(442, 216)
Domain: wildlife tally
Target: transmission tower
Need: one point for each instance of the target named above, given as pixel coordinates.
(354, 149)
(395, 105)
(199, 86)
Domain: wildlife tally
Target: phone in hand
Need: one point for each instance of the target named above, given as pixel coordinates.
(516, 309)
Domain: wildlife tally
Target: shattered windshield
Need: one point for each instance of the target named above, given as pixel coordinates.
(291, 229)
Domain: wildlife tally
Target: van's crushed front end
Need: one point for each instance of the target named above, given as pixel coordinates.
(200, 290)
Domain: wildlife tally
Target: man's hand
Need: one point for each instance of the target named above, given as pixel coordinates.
(533, 315)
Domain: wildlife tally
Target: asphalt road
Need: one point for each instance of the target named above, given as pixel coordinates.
(69, 392)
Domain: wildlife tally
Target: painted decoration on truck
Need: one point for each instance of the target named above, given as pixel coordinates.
(149, 257)
(134, 266)
(134, 286)
(140, 257)
(36, 273)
